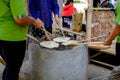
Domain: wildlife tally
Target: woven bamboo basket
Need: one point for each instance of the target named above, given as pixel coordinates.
(106, 20)
(77, 21)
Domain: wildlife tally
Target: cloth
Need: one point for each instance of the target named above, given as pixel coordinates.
(110, 5)
(117, 54)
(117, 12)
(9, 30)
(67, 15)
(12, 37)
(68, 10)
(43, 9)
(13, 54)
(67, 22)
(38, 33)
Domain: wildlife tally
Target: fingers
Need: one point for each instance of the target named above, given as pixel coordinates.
(57, 19)
(38, 23)
(107, 43)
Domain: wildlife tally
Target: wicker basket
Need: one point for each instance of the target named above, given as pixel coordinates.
(77, 21)
(106, 19)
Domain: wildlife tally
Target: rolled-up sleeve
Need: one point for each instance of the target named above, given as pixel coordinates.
(18, 8)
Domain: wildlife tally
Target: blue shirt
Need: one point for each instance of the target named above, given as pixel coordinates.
(110, 5)
(43, 9)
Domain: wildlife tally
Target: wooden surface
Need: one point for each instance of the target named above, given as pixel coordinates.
(96, 53)
(109, 51)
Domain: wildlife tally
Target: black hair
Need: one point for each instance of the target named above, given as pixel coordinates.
(95, 3)
(68, 2)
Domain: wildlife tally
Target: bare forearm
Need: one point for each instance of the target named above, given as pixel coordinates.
(25, 21)
(114, 33)
(29, 20)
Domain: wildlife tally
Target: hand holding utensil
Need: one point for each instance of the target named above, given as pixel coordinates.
(61, 30)
(46, 33)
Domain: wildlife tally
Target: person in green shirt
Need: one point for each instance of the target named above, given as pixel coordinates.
(116, 33)
(13, 29)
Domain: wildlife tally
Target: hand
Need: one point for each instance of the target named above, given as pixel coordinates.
(38, 23)
(107, 43)
(57, 20)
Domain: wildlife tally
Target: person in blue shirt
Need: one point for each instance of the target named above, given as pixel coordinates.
(106, 4)
(43, 10)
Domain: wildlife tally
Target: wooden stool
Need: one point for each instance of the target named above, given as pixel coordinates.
(3, 63)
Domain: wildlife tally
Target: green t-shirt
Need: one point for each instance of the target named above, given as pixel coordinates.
(9, 30)
(117, 11)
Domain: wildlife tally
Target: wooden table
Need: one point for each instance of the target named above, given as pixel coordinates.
(97, 53)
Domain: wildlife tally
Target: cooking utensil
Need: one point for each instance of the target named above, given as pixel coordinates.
(47, 44)
(29, 36)
(71, 43)
(61, 30)
(97, 45)
(91, 38)
(46, 33)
